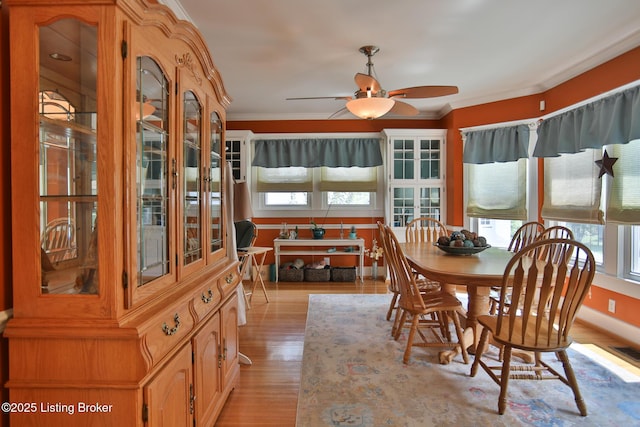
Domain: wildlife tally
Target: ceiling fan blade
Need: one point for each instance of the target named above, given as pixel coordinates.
(403, 109)
(424, 92)
(338, 113)
(321, 97)
(366, 82)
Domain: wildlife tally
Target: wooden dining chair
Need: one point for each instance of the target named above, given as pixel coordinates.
(545, 296)
(424, 285)
(393, 286)
(416, 307)
(59, 240)
(528, 233)
(556, 232)
(425, 230)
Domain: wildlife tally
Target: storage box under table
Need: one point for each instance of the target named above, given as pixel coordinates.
(291, 275)
(317, 274)
(343, 274)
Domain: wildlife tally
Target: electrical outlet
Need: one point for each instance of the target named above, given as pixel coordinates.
(612, 306)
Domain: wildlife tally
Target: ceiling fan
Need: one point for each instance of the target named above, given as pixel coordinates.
(370, 101)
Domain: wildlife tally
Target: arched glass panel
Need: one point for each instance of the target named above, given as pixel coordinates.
(192, 150)
(215, 196)
(152, 171)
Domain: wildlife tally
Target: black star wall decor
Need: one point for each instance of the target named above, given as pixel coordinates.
(606, 164)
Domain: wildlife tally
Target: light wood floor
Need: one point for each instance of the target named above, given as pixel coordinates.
(273, 339)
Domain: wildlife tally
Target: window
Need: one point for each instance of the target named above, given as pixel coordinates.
(578, 191)
(348, 198)
(284, 186)
(634, 264)
(499, 181)
(498, 232)
(286, 199)
(572, 189)
(591, 235)
(303, 173)
(624, 203)
(323, 184)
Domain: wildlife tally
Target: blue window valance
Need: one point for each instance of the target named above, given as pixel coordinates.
(502, 144)
(614, 119)
(311, 153)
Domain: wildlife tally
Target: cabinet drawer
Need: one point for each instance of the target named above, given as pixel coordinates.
(206, 299)
(228, 280)
(165, 331)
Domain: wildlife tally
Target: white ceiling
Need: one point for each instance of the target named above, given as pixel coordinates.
(270, 50)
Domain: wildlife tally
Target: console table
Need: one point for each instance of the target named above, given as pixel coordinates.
(320, 247)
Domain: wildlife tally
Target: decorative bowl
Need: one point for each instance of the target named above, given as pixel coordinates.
(457, 250)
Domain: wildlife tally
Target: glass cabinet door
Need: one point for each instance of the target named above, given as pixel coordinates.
(68, 175)
(192, 150)
(215, 172)
(152, 172)
(416, 158)
(414, 202)
(416, 178)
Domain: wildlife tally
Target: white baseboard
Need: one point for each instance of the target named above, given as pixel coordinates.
(608, 324)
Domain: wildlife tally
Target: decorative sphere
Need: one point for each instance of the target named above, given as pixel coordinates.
(444, 241)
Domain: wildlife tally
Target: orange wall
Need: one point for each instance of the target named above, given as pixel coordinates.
(617, 72)
(326, 126)
(626, 307)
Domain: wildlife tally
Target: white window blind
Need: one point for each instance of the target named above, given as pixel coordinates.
(354, 179)
(289, 179)
(572, 188)
(497, 190)
(624, 202)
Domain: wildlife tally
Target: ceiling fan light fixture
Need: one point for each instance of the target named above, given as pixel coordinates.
(370, 108)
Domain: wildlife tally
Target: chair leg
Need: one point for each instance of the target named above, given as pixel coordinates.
(400, 324)
(392, 306)
(459, 334)
(504, 380)
(493, 307)
(414, 327)
(396, 322)
(443, 319)
(573, 383)
(479, 350)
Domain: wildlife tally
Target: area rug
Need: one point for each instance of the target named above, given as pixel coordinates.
(353, 375)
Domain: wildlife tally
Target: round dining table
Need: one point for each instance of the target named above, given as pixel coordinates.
(478, 272)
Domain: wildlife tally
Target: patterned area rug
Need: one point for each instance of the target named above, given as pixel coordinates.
(353, 375)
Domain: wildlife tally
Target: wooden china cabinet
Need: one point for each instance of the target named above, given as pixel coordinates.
(125, 301)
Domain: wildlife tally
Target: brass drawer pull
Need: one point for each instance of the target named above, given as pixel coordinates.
(171, 331)
(229, 278)
(207, 298)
